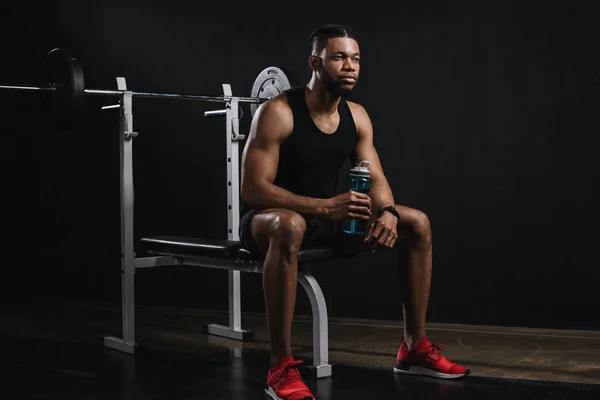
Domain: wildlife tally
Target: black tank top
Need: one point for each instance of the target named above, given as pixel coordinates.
(310, 160)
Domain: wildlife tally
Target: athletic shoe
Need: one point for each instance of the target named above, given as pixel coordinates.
(285, 383)
(425, 359)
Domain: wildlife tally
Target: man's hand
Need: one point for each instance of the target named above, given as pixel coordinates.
(383, 232)
(349, 205)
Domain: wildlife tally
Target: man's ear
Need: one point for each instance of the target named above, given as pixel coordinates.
(314, 62)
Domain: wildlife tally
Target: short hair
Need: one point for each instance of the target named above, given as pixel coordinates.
(320, 35)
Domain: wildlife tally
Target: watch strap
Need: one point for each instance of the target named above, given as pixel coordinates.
(392, 210)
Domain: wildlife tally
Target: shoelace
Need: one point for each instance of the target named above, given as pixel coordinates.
(289, 372)
(434, 350)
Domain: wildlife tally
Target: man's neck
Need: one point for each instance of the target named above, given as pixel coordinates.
(319, 99)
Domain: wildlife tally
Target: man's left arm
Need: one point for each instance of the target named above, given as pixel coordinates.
(383, 231)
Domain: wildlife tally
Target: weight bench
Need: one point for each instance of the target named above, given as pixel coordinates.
(224, 254)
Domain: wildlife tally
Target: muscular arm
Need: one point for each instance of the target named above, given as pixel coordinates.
(381, 193)
(272, 123)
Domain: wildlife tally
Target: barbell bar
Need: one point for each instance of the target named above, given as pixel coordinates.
(29, 88)
(147, 95)
(177, 96)
(66, 89)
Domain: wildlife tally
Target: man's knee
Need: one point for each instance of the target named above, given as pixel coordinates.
(287, 230)
(422, 228)
(419, 225)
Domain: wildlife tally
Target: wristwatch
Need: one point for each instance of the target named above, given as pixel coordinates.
(390, 209)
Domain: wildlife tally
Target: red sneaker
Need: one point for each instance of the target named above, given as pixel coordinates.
(425, 359)
(285, 383)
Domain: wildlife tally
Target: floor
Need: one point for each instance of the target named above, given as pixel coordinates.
(55, 351)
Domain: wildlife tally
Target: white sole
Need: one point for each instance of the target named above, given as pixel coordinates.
(271, 393)
(414, 370)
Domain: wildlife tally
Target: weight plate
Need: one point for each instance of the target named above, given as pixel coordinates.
(268, 84)
(64, 72)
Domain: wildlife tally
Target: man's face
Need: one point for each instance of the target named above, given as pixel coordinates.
(340, 65)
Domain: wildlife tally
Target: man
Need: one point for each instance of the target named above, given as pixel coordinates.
(297, 144)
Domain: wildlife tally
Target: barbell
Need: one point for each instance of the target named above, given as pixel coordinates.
(64, 95)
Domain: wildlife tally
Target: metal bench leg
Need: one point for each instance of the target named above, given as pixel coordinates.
(234, 330)
(320, 325)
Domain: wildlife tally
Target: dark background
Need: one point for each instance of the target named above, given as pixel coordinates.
(485, 117)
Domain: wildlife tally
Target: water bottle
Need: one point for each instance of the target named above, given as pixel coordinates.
(359, 180)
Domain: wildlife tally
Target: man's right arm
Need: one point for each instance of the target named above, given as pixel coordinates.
(272, 123)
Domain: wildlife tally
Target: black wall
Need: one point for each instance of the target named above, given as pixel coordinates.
(485, 117)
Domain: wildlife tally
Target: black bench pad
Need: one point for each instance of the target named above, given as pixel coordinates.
(197, 247)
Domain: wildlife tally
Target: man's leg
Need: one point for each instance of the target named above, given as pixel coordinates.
(416, 354)
(415, 257)
(415, 251)
(278, 235)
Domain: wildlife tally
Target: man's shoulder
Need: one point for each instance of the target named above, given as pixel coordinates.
(359, 113)
(274, 117)
(287, 99)
(355, 107)
(275, 106)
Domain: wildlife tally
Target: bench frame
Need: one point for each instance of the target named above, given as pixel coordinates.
(129, 261)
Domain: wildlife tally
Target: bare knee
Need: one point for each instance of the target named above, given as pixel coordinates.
(421, 228)
(414, 228)
(287, 231)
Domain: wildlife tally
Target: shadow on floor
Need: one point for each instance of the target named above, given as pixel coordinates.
(53, 353)
(38, 369)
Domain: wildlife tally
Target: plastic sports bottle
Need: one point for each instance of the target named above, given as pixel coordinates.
(359, 180)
